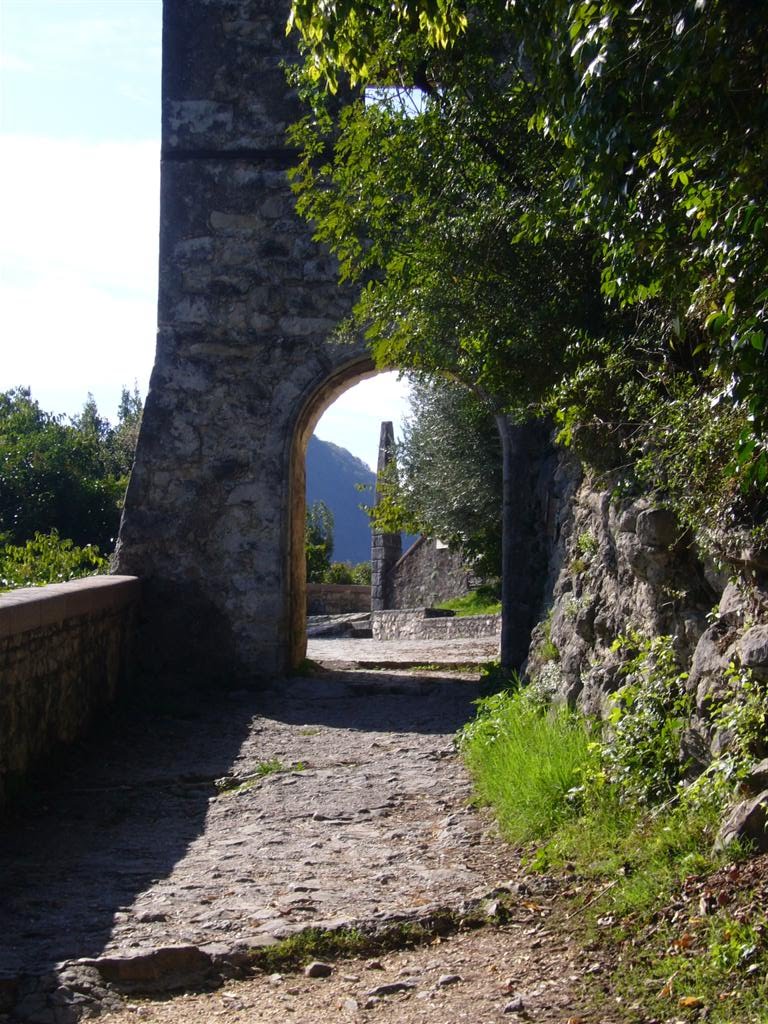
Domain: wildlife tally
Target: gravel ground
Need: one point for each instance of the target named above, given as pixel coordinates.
(516, 973)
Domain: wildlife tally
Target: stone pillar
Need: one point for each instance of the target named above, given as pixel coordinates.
(247, 302)
(386, 548)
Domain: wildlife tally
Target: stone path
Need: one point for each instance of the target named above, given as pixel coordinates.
(167, 851)
(351, 653)
(201, 832)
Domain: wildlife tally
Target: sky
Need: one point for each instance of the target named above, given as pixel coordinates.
(79, 211)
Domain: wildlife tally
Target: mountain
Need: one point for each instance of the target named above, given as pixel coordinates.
(332, 473)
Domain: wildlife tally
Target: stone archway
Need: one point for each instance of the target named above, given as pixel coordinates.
(243, 365)
(346, 376)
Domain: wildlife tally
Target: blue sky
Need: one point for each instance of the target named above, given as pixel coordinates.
(79, 185)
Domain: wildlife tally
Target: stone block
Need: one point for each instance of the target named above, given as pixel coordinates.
(732, 605)
(657, 528)
(752, 649)
(746, 822)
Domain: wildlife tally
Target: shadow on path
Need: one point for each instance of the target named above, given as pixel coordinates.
(122, 811)
(398, 702)
(127, 808)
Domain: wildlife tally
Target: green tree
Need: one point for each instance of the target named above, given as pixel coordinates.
(47, 558)
(422, 199)
(318, 541)
(62, 476)
(54, 476)
(449, 473)
(125, 435)
(656, 113)
(517, 195)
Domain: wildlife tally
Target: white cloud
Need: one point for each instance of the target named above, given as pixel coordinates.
(11, 62)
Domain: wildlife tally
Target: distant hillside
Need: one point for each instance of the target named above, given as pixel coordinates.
(332, 473)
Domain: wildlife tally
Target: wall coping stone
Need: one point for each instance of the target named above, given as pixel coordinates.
(337, 588)
(418, 613)
(37, 607)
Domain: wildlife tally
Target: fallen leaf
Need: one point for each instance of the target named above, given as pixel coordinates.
(690, 1002)
(666, 990)
(685, 941)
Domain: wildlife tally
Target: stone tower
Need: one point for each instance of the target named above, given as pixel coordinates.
(214, 514)
(386, 548)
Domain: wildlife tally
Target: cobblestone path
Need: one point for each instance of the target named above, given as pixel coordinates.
(351, 653)
(167, 850)
(197, 833)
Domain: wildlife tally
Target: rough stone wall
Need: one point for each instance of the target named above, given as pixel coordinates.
(336, 598)
(617, 565)
(213, 520)
(65, 652)
(431, 624)
(427, 574)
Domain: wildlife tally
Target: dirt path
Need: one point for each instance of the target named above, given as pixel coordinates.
(161, 858)
(516, 973)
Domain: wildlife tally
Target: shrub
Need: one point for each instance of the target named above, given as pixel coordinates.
(47, 558)
(641, 749)
(338, 572)
(361, 574)
(345, 572)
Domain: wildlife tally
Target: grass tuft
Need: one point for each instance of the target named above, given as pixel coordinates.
(526, 761)
(483, 601)
(682, 940)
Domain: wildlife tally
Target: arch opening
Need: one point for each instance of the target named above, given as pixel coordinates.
(314, 407)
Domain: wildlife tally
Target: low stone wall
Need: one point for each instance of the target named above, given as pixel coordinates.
(65, 652)
(337, 598)
(431, 624)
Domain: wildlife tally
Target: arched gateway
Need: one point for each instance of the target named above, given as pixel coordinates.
(213, 520)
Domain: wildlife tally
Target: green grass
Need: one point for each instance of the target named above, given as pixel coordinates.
(232, 786)
(632, 862)
(526, 761)
(717, 968)
(483, 601)
(344, 943)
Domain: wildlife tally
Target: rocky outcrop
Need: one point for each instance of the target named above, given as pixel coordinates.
(623, 563)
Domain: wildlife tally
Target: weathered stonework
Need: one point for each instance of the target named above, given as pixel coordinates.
(427, 574)
(619, 565)
(432, 624)
(214, 514)
(336, 598)
(65, 652)
(386, 548)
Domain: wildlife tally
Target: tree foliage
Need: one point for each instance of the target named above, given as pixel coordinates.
(563, 204)
(448, 482)
(318, 541)
(47, 558)
(59, 476)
